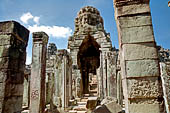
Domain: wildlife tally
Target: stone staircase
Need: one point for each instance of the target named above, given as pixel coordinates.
(88, 101)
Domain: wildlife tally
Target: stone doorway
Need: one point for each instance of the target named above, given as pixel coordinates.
(88, 61)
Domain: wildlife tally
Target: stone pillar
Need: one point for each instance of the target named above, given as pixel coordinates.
(165, 76)
(37, 86)
(13, 43)
(139, 59)
(26, 93)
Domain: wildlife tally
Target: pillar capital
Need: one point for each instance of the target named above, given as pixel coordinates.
(16, 29)
(40, 37)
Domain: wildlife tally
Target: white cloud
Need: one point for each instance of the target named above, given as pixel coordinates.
(54, 31)
(36, 19)
(26, 17)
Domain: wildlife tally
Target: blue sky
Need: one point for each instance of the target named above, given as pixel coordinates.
(57, 18)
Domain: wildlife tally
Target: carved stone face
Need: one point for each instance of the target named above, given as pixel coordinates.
(89, 15)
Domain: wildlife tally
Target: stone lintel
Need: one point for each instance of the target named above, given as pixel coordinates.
(40, 37)
(13, 27)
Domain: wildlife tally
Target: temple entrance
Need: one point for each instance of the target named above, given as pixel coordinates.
(88, 61)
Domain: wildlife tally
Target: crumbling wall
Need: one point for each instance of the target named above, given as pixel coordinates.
(13, 43)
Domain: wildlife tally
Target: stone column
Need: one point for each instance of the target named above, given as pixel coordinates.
(13, 43)
(165, 76)
(37, 86)
(139, 60)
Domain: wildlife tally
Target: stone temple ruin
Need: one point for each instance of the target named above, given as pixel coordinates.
(93, 77)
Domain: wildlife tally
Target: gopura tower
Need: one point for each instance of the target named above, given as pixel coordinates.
(89, 47)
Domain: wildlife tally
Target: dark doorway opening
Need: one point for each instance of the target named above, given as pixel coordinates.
(88, 60)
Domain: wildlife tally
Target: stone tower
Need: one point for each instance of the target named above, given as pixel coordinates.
(89, 47)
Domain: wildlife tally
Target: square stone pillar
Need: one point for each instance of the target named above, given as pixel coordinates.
(37, 86)
(139, 58)
(13, 43)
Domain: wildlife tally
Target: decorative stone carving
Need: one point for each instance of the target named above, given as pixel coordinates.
(144, 88)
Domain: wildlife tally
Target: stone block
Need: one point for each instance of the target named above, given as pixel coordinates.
(13, 104)
(3, 75)
(9, 63)
(139, 51)
(2, 88)
(149, 87)
(144, 108)
(15, 77)
(14, 90)
(4, 50)
(135, 21)
(111, 107)
(132, 9)
(11, 76)
(15, 28)
(137, 34)
(142, 68)
(5, 39)
(91, 103)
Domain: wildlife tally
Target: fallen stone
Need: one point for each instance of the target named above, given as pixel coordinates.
(111, 107)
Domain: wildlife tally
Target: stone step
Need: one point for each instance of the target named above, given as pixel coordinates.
(25, 111)
(86, 95)
(93, 91)
(72, 102)
(79, 108)
(72, 111)
(82, 106)
(82, 103)
(84, 99)
(81, 111)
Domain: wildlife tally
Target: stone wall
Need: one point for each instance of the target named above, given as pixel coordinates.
(13, 43)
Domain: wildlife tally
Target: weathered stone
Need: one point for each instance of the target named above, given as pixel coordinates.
(144, 88)
(15, 104)
(138, 57)
(37, 88)
(4, 50)
(135, 21)
(5, 40)
(13, 42)
(111, 107)
(142, 68)
(133, 9)
(14, 90)
(166, 84)
(147, 108)
(16, 29)
(137, 34)
(91, 103)
(139, 51)
(89, 35)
